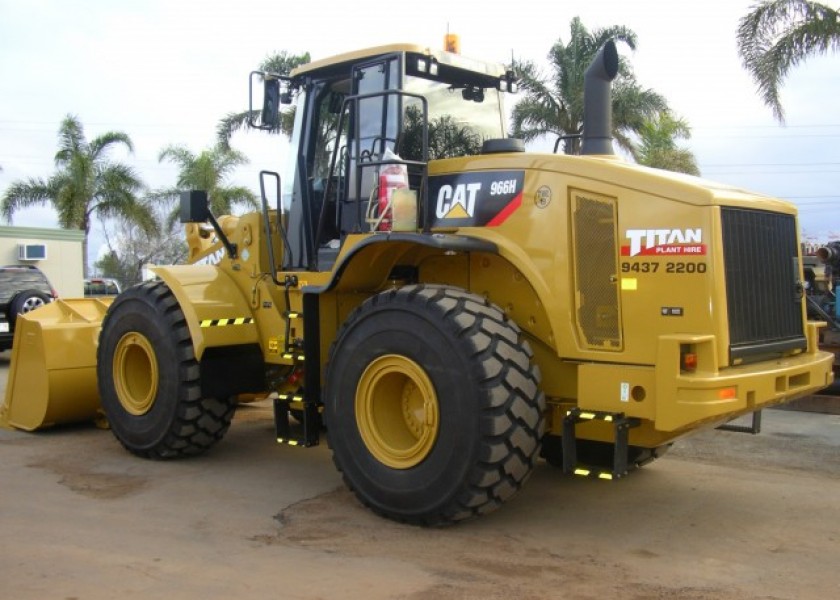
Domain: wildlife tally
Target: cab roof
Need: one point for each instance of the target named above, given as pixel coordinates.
(441, 56)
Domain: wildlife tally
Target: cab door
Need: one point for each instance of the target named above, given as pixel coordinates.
(374, 127)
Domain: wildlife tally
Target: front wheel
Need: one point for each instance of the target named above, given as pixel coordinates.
(432, 405)
(149, 379)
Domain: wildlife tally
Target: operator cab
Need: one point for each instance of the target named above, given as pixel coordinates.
(360, 116)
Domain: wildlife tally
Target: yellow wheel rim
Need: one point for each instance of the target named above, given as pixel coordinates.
(135, 373)
(397, 411)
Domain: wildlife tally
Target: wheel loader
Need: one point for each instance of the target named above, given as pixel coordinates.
(443, 306)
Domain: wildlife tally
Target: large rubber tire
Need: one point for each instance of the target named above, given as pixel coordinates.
(455, 414)
(24, 302)
(149, 378)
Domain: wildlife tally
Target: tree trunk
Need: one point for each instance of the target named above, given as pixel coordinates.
(85, 256)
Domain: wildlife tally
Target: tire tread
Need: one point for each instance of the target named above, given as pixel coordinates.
(199, 422)
(512, 419)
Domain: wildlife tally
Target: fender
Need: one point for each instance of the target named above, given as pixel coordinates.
(216, 311)
(222, 328)
(439, 241)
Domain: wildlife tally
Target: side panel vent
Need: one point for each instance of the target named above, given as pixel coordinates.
(596, 269)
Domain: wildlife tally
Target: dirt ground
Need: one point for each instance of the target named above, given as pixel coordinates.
(723, 516)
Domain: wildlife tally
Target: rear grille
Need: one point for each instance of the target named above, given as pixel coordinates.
(762, 293)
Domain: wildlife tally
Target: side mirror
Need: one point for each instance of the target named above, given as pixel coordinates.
(277, 90)
(271, 103)
(194, 207)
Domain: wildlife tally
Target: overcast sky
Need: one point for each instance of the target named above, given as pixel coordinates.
(165, 71)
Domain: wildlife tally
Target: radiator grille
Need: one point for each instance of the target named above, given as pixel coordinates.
(764, 301)
(595, 271)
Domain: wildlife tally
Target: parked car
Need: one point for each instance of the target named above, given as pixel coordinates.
(100, 286)
(23, 288)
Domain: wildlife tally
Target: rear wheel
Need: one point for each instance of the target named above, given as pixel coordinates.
(149, 378)
(432, 406)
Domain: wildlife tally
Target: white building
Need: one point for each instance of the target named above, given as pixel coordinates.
(57, 252)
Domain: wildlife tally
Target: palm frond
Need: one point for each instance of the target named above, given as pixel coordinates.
(127, 207)
(102, 142)
(223, 199)
(619, 33)
(283, 63)
(178, 154)
(779, 34)
(633, 105)
(658, 145)
(23, 194)
(231, 123)
(71, 138)
(533, 119)
(163, 196)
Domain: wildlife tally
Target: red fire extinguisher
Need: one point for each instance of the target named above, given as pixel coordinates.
(390, 178)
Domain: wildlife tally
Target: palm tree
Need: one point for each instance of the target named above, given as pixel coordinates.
(553, 105)
(779, 34)
(279, 63)
(658, 148)
(85, 184)
(207, 171)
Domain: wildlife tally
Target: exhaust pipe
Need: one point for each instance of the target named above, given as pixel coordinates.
(830, 253)
(597, 101)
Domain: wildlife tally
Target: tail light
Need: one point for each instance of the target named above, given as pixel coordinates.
(688, 358)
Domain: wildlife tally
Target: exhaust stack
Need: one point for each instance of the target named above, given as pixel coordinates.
(830, 254)
(597, 101)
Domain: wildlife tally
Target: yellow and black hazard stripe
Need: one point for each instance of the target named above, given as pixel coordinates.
(226, 322)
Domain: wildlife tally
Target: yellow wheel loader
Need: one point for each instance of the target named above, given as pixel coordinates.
(448, 306)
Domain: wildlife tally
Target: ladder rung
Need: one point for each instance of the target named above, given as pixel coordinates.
(307, 432)
(621, 426)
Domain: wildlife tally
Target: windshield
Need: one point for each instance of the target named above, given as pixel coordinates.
(460, 119)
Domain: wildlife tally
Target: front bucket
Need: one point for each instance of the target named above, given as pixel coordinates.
(52, 374)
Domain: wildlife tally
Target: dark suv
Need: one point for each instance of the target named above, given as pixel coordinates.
(22, 288)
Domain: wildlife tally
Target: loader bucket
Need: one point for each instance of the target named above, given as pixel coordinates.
(52, 374)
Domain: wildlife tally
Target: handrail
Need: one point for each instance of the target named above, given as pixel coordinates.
(353, 102)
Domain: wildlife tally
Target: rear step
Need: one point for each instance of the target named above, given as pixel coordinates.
(621, 425)
(306, 432)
